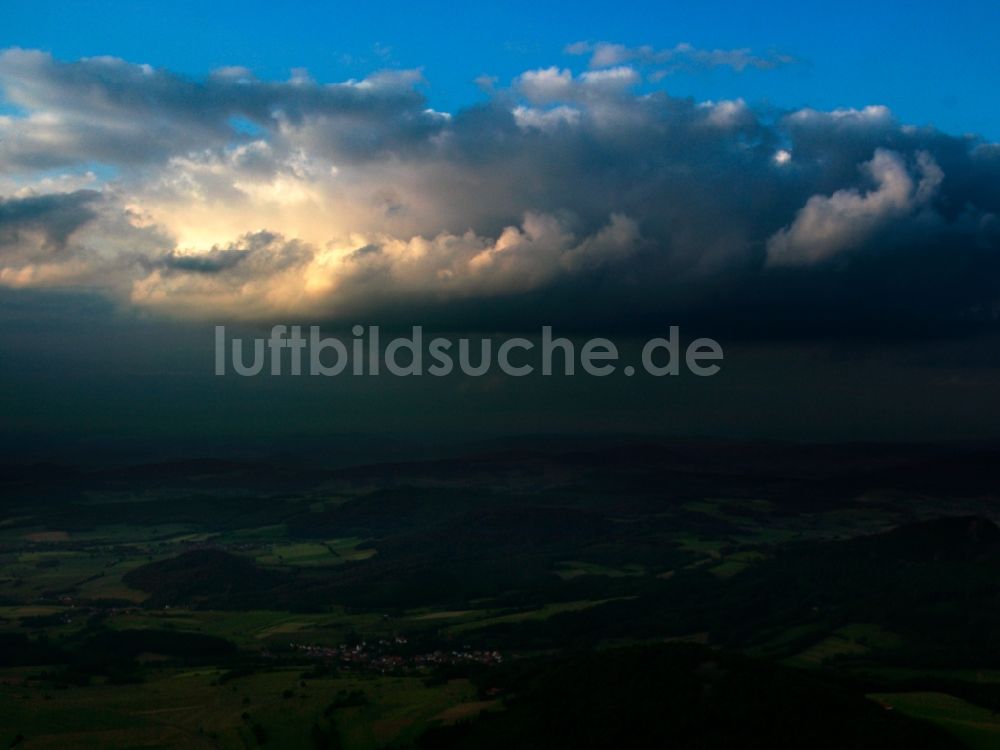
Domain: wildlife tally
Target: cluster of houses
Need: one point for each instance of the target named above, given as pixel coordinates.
(384, 656)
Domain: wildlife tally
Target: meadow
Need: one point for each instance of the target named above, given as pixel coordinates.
(456, 603)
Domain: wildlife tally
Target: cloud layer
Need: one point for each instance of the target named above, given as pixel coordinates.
(589, 197)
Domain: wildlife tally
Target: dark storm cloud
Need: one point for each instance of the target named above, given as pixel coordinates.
(252, 256)
(53, 217)
(566, 198)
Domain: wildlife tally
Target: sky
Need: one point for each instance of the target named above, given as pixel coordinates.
(816, 187)
(930, 63)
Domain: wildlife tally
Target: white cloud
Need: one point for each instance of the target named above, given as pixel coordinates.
(871, 115)
(728, 113)
(265, 274)
(610, 79)
(545, 119)
(829, 225)
(546, 84)
(678, 57)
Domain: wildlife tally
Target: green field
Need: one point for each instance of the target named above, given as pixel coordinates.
(977, 727)
(191, 709)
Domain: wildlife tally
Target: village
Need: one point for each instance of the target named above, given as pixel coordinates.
(384, 656)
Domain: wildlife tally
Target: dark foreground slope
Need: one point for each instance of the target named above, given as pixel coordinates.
(679, 696)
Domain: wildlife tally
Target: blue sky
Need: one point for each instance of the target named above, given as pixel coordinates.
(930, 62)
